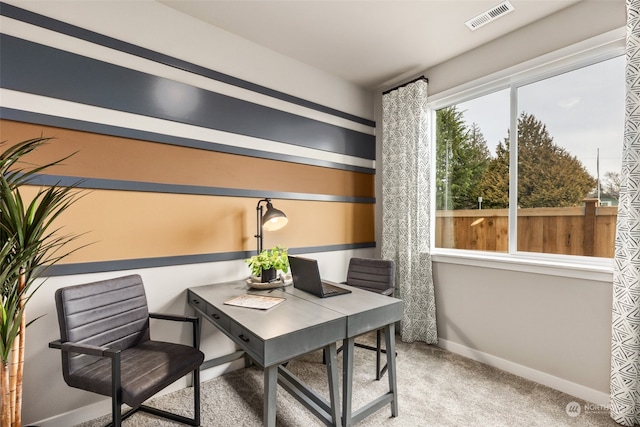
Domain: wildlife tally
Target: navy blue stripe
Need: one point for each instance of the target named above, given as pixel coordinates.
(132, 264)
(81, 125)
(88, 81)
(93, 37)
(152, 187)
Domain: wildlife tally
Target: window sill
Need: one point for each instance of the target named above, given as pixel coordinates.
(597, 269)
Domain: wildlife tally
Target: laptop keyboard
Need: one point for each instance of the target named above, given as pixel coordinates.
(328, 289)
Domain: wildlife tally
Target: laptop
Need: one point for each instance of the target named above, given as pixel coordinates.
(306, 277)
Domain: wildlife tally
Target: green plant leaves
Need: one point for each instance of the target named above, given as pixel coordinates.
(28, 242)
(276, 257)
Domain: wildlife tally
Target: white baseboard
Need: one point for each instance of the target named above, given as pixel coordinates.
(77, 416)
(560, 384)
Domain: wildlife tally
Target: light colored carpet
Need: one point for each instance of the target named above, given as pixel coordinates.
(436, 388)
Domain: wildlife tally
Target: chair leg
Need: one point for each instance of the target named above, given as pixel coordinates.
(116, 414)
(124, 416)
(116, 391)
(380, 372)
(196, 396)
(195, 421)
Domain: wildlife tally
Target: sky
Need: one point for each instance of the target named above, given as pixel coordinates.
(583, 111)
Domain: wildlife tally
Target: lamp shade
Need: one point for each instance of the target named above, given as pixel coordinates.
(273, 219)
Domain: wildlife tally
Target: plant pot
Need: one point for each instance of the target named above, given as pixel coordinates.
(268, 275)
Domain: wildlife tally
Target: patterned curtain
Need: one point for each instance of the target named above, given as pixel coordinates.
(406, 201)
(625, 332)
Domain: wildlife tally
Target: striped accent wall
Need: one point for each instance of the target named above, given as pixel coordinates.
(172, 157)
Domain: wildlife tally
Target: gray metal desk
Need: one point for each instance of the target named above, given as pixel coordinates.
(365, 311)
(301, 324)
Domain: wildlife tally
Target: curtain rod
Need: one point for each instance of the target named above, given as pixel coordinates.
(406, 83)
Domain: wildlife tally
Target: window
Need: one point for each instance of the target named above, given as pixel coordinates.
(564, 131)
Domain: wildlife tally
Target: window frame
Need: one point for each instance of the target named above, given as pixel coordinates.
(586, 53)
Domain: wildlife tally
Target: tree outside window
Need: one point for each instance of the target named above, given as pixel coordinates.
(569, 141)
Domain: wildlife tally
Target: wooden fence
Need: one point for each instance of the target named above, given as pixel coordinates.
(588, 230)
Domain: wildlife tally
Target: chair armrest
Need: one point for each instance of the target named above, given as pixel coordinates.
(91, 350)
(388, 292)
(174, 317)
(94, 350)
(195, 321)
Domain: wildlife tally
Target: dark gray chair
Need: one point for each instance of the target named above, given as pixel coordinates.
(374, 275)
(107, 348)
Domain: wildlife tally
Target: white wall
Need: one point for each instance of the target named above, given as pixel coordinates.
(47, 400)
(553, 330)
(569, 26)
(155, 26)
(547, 327)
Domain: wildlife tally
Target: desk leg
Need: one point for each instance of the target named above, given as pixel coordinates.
(331, 359)
(347, 380)
(270, 389)
(199, 334)
(390, 343)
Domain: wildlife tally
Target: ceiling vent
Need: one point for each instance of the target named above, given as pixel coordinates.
(490, 15)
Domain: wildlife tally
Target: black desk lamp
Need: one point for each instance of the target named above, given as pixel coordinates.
(273, 219)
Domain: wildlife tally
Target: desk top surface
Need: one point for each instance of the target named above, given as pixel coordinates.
(358, 301)
(292, 315)
(300, 310)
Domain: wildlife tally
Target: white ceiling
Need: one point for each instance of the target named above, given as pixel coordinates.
(363, 41)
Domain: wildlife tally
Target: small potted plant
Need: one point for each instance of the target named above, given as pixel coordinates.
(268, 262)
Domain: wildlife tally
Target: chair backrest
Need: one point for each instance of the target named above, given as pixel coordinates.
(376, 275)
(111, 313)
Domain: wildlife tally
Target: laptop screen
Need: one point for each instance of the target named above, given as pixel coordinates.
(306, 275)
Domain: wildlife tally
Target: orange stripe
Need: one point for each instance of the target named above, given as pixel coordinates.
(108, 157)
(121, 225)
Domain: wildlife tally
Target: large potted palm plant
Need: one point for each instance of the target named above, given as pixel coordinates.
(29, 242)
